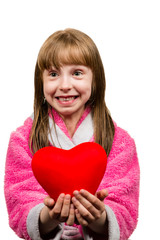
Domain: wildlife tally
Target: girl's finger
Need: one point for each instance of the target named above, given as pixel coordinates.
(71, 218)
(83, 211)
(49, 202)
(86, 205)
(102, 194)
(65, 208)
(92, 199)
(55, 212)
(80, 219)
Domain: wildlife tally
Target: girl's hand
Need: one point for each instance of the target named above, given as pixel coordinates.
(56, 212)
(90, 210)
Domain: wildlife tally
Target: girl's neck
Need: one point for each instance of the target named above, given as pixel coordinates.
(71, 122)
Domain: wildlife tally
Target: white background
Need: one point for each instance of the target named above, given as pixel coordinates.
(127, 34)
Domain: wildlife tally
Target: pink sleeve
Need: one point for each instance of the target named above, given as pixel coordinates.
(22, 192)
(122, 181)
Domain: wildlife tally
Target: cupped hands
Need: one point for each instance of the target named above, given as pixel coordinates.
(87, 209)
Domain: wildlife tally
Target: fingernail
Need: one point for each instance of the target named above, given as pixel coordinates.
(75, 192)
(62, 195)
(67, 197)
(82, 191)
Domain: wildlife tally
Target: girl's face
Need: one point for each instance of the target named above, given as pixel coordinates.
(68, 89)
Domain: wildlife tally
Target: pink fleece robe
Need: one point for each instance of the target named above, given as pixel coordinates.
(22, 192)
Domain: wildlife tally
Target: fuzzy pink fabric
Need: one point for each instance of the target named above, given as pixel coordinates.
(22, 192)
(122, 181)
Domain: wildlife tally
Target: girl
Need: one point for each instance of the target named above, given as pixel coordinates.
(69, 108)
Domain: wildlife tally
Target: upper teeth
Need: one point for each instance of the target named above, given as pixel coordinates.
(66, 99)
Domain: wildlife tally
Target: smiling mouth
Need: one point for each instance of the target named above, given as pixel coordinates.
(66, 99)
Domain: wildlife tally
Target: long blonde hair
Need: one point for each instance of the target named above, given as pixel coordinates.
(71, 46)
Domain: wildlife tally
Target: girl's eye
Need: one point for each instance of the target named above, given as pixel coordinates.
(53, 74)
(78, 73)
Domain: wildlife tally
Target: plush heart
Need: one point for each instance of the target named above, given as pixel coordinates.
(63, 171)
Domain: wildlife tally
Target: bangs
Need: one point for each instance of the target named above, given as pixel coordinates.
(64, 52)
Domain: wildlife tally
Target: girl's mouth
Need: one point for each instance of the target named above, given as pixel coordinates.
(65, 99)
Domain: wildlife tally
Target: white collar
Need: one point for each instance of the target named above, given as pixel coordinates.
(83, 134)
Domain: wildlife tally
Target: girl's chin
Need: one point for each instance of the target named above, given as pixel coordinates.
(70, 112)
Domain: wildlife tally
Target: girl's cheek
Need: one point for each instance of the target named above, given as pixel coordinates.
(49, 88)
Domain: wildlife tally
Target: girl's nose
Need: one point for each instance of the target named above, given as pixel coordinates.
(65, 84)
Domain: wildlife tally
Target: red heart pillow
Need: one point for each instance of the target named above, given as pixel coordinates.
(63, 171)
